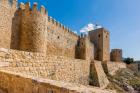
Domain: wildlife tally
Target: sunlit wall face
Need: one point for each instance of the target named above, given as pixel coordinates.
(121, 18)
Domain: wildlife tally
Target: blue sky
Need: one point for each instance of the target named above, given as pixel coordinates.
(120, 17)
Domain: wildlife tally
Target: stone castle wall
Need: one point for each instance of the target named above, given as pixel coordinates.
(11, 82)
(33, 29)
(112, 67)
(7, 10)
(52, 67)
(89, 49)
(134, 67)
(97, 75)
(29, 29)
(47, 49)
(60, 40)
(84, 49)
(31, 32)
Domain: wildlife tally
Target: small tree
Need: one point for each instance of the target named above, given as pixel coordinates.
(128, 60)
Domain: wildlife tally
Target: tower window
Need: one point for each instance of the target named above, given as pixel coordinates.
(58, 37)
(78, 43)
(99, 35)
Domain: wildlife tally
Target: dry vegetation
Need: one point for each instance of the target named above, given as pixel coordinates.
(125, 81)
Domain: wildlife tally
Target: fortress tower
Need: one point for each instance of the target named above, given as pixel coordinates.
(100, 38)
(33, 34)
(116, 55)
(84, 48)
(7, 9)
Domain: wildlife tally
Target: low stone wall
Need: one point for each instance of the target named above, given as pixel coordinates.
(98, 76)
(112, 67)
(134, 67)
(51, 67)
(18, 83)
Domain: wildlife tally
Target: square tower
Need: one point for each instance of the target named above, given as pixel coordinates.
(101, 39)
(84, 48)
(116, 55)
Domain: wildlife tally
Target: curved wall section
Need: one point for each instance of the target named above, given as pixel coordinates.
(33, 29)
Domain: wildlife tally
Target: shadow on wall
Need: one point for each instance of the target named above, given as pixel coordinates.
(80, 49)
(93, 76)
(15, 34)
(3, 91)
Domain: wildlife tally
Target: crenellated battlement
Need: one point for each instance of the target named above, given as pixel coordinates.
(54, 22)
(116, 55)
(34, 9)
(33, 28)
(21, 5)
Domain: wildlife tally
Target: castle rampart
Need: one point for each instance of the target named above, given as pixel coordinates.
(33, 32)
(18, 83)
(33, 29)
(60, 40)
(7, 10)
(52, 67)
(45, 48)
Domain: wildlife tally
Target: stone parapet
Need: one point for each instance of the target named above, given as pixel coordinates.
(11, 82)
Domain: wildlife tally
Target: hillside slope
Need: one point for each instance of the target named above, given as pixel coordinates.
(125, 81)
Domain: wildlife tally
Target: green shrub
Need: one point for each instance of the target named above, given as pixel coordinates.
(128, 60)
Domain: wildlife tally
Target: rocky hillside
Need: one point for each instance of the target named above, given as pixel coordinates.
(125, 81)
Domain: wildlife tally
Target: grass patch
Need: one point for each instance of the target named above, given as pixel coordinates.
(113, 86)
(135, 83)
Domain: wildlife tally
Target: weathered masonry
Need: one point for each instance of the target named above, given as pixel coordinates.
(35, 45)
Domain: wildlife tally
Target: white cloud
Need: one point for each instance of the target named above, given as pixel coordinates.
(89, 27)
(98, 26)
(75, 32)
